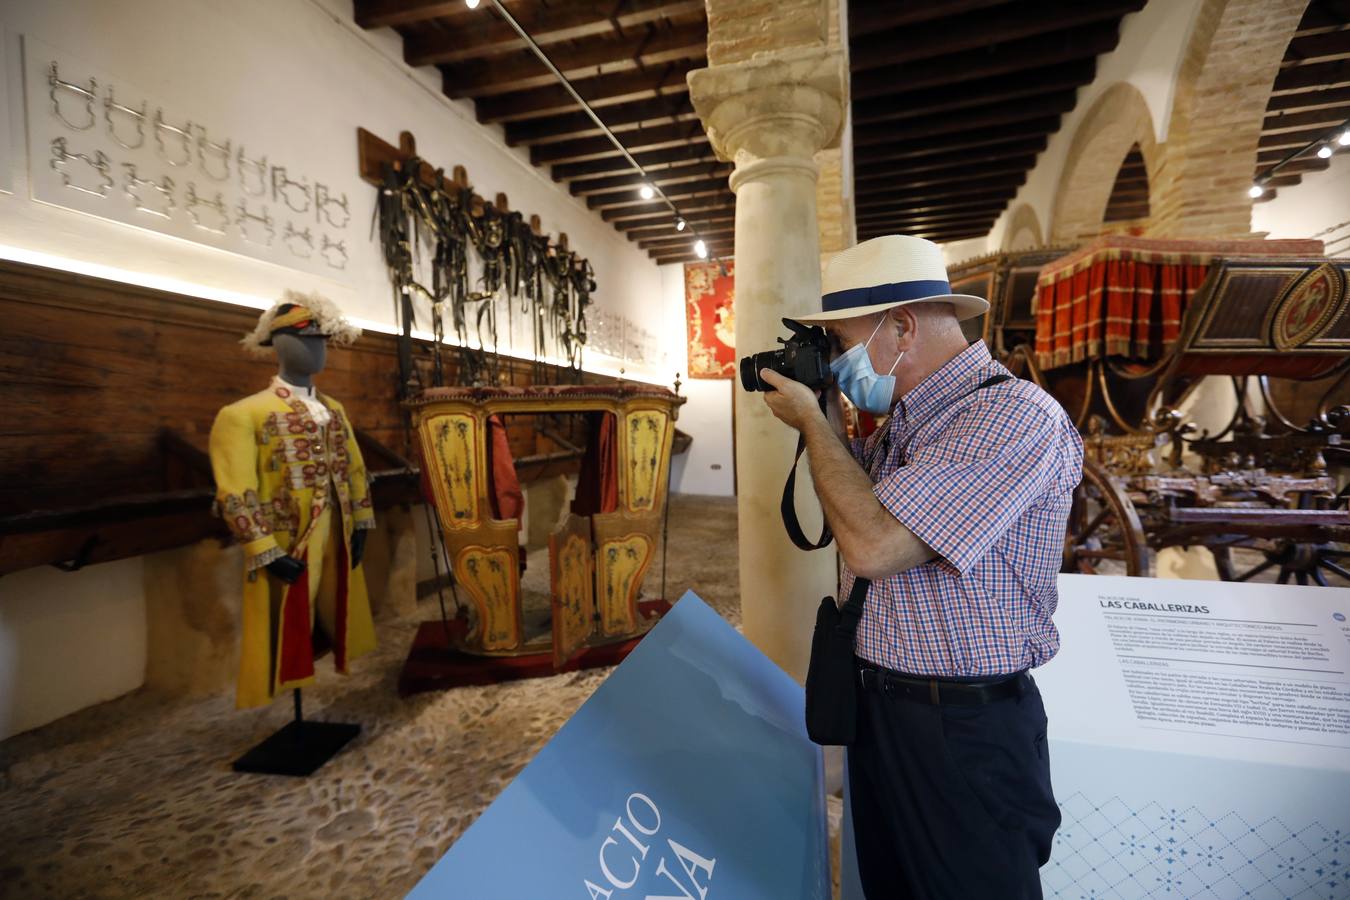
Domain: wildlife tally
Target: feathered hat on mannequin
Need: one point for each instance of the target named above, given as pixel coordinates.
(300, 313)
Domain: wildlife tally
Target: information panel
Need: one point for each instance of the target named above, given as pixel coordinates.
(686, 776)
(1199, 739)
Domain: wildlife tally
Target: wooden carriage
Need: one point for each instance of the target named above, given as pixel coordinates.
(600, 551)
(1124, 330)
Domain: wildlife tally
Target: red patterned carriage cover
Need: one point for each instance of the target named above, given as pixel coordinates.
(1126, 296)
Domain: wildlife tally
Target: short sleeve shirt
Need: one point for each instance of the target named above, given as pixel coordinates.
(986, 480)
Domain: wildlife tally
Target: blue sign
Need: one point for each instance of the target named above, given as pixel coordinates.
(687, 775)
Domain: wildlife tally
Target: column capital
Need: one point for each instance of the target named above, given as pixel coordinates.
(788, 104)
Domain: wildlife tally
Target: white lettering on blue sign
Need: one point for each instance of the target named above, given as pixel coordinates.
(648, 824)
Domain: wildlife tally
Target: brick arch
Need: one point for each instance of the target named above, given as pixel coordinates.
(1115, 123)
(1223, 87)
(1024, 229)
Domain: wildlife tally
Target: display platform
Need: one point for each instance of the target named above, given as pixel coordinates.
(433, 664)
(1200, 741)
(688, 773)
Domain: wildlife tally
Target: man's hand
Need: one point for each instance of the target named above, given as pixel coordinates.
(791, 401)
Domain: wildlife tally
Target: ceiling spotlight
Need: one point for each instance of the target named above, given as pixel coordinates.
(679, 224)
(471, 4)
(1255, 191)
(700, 249)
(1344, 139)
(646, 192)
(1324, 151)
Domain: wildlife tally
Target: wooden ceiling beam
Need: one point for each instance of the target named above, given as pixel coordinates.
(599, 92)
(1318, 98)
(674, 108)
(1318, 47)
(1289, 140)
(1014, 165)
(937, 192)
(937, 237)
(983, 30)
(1014, 56)
(920, 207)
(975, 214)
(678, 191)
(717, 246)
(520, 69)
(487, 34)
(865, 158)
(686, 238)
(652, 137)
(1313, 75)
(983, 117)
(903, 103)
(1313, 118)
(958, 162)
(874, 17)
(672, 175)
(667, 229)
(651, 160)
(657, 210)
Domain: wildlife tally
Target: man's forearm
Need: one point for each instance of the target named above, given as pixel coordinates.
(870, 539)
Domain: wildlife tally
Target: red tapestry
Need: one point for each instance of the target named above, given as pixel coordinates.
(708, 298)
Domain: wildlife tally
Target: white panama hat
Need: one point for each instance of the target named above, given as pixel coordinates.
(886, 272)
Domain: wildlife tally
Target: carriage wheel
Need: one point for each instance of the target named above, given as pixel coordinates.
(1326, 564)
(1103, 525)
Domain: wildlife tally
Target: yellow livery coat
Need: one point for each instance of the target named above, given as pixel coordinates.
(281, 479)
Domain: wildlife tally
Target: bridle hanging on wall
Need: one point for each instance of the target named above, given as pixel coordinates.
(431, 224)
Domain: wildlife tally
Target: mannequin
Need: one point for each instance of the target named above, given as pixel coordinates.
(292, 486)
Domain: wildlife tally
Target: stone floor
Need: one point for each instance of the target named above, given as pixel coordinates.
(135, 797)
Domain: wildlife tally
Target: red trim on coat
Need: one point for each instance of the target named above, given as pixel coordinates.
(296, 646)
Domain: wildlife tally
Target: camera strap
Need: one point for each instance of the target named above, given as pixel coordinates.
(788, 507)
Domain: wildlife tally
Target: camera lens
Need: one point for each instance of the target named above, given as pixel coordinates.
(749, 374)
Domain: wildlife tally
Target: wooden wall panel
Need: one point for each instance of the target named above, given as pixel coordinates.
(92, 372)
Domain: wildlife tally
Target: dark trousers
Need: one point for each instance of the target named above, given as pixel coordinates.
(951, 802)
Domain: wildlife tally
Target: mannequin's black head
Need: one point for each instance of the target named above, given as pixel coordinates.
(300, 354)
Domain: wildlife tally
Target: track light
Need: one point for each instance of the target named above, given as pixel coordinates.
(679, 224)
(700, 249)
(1324, 151)
(1255, 191)
(646, 192)
(471, 4)
(1344, 139)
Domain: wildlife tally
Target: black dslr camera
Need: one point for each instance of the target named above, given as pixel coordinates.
(805, 357)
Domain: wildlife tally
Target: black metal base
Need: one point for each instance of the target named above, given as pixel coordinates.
(300, 748)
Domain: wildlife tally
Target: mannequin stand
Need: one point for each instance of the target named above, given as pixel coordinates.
(299, 748)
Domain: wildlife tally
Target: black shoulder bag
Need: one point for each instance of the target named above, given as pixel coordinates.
(832, 676)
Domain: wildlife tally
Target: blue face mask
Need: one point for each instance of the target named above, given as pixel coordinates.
(860, 383)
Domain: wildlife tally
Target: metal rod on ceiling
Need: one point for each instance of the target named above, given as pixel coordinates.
(543, 57)
(1326, 138)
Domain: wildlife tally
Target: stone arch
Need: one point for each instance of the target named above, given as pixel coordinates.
(1115, 123)
(1223, 87)
(1024, 229)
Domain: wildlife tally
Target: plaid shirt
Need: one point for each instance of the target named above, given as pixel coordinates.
(985, 480)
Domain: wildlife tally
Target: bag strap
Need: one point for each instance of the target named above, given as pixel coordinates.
(788, 508)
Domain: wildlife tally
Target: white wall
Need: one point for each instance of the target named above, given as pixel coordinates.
(68, 639)
(709, 466)
(293, 79)
(1320, 203)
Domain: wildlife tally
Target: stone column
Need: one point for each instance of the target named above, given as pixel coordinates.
(771, 113)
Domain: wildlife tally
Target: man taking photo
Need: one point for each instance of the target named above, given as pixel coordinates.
(955, 509)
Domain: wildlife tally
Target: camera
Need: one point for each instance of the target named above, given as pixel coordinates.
(805, 357)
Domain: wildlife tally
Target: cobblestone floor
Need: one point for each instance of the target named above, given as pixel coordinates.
(135, 797)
